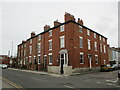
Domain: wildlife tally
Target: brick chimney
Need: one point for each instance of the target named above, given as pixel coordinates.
(68, 17)
(32, 34)
(46, 27)
(80, 21)
(23, 41)
(56, 23)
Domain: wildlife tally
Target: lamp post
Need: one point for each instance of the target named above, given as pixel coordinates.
(11, 55)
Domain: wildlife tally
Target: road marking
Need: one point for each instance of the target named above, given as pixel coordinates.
(68, 86)
(98, 82)
(13, 84)
(113, 81)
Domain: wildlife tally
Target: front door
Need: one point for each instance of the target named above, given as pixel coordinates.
(63, 61)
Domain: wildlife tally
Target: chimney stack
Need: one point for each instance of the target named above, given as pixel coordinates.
(23, 41)
(68, 17)
(56, 23)
(32, 34)
(80, 21)
(46, 27)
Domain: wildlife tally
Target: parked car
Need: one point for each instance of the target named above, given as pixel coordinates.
(114, 66)
(106, 67)
(3, 66)
(119, 74)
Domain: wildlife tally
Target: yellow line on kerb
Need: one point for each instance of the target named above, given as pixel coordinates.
(13, 84)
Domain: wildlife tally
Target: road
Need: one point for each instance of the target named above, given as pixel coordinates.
(34, 80)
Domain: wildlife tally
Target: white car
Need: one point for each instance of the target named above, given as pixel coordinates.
(3, 66)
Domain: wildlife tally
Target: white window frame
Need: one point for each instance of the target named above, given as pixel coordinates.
(96, 59)
(94, 35)
(39, 37)
(50, 33)
(80, 29)
(103, 39)
(39, 59)
(104, 48)
(62, 28)
(50, 54)
(39, 47)
(95, 46)
(81, 53)
(50, 47)
(89, 44)
(30, 41)
(100, 37)
(88, 32)
(62, 45)
(101, 47)
(80, 38)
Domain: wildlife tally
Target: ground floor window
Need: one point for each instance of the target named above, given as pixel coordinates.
(38, 59)
(96, 59)
(81, 58)
(104, 62)
(50, 58)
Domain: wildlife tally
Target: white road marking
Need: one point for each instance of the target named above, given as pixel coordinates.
(109, 84)
(68, 86)
(113, 81)
(98, 82)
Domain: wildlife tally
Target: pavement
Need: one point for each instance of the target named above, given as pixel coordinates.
(35, 79)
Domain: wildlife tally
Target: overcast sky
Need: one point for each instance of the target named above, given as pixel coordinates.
(19, 19)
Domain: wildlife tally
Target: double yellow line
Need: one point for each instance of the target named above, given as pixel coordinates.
(13, 84)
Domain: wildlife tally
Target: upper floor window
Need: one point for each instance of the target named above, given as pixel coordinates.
(62, 41)
(30, 40)
(104, 49)
(50, 44)
(24, 45)
(103, 39)
(81, 58)
(100, 37)
(88, 32)
(50, 58)
(100, 47)
(39, 47)
(89, 45)
(39, 37)
(81, 42)
(80, 29)
(61, 28)
(94, 35)
(95, 46)
(50, 33)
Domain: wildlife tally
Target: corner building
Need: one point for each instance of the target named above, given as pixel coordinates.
(66, 46)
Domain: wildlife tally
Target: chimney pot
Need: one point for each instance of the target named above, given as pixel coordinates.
(46, 27)
(32, 34)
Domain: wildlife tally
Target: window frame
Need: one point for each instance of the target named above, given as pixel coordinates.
(62, 45)
(80, 38)
(89, 44)
(50, 47)
(81, 53)
(62, 28)
(50, 61)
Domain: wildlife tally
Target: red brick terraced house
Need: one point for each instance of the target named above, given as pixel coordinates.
(65, 48)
